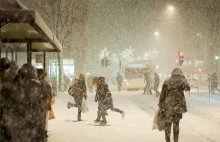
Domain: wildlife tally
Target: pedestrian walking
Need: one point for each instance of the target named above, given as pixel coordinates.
(172, 102)
(148, 81)
(156, 83)
(78, 91)
(119, 80)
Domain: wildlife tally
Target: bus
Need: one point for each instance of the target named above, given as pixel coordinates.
(134, 74)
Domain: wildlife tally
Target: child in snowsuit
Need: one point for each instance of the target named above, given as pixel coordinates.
(106, 105)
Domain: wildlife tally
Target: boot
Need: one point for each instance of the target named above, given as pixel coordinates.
(69, 105)
(104, 121)
(176, 132)
(79, 115)
(79, 118)
(98, 117)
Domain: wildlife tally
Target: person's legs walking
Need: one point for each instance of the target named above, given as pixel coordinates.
(167, 131)
(79, 115)
(176, 130)
(98, 112)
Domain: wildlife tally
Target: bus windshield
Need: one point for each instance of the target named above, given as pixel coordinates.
(135, 73)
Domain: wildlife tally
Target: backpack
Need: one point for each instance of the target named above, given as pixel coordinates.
(75, 89)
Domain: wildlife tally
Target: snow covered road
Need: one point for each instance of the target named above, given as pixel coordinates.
(137, 125)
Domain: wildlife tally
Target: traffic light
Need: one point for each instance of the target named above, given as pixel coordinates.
(181, 58)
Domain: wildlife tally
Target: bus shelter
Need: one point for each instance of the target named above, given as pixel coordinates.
(23, 30)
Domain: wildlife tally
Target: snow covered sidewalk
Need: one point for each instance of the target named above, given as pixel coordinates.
(200, 124)
(137, 125)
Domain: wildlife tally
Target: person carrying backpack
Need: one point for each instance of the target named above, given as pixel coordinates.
(172, 102)
(78, 91)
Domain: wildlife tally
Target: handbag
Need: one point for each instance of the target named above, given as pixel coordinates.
(159, 120)
(51, 114)
(84, 107)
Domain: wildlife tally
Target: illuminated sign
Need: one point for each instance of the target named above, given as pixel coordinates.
(136, 65)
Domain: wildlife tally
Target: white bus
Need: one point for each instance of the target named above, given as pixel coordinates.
(134, 74)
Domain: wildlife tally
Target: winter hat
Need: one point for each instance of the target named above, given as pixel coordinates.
(177, 72)
(27, 71)
(5, 64)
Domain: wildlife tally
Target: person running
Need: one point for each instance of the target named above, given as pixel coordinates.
(172, 102)
(106, 105)
(100, 95)
(78, 91)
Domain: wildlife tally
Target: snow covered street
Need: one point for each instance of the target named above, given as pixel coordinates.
(201, 123)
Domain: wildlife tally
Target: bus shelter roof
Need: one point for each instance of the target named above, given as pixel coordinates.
(27, 26)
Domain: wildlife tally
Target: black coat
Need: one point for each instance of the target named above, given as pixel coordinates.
(172, 99)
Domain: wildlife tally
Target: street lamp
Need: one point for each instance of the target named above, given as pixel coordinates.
(156, 33)
(216, 57)
(171, 9)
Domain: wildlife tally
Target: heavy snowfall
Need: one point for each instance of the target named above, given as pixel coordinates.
(109, 70)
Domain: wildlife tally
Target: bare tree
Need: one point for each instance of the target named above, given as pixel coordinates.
(61, 15)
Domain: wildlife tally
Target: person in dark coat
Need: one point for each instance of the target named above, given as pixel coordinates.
(172, 102)
(147, 80)
(78, 93)
(156, 83)
(6, 78)
(119, 80)
(100, 95)
(47, 93)
(24, 104)
(107, 104)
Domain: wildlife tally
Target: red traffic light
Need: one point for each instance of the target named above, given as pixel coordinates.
(200, 70)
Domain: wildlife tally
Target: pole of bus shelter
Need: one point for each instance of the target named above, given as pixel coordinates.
(190, 85)
(6, 52)
(29, 54)
(209, 92)
(12, 55)
(44, 60)
(16, 56)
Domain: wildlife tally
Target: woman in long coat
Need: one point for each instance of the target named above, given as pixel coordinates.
(172, 102)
